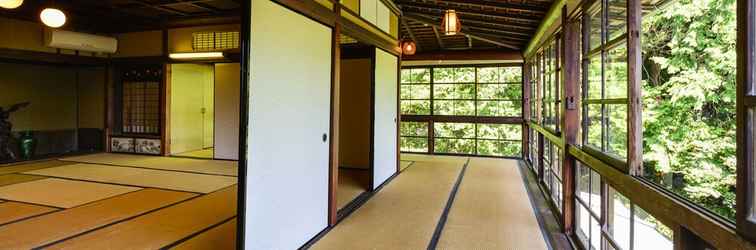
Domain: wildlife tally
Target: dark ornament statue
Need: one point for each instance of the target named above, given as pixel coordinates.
(7, 148)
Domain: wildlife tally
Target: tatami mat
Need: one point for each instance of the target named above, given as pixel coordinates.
(61, 193)
(10, 179)
(403, 215)
(404, 164)
(433, 158)
(13, 211)
(222, 237)
(492, 210)
(46, 229)
(157, 162)
(23, 167)
(204, 153)
(200, 183)
(352, 183)
(160, 228)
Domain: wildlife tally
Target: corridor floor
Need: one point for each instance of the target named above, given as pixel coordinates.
(490, 209)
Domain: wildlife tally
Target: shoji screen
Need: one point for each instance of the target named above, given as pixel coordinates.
(287, 172)
(385, 147)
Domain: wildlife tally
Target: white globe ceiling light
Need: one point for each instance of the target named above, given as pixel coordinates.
(10, 4)
(52, 17)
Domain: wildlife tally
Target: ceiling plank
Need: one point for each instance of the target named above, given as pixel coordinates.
(479, 37)
(528, 30)
(523, 6)
(438, 38)
(477, 11)
(464, 15)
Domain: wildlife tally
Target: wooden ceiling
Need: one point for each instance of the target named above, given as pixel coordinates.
(486, 24)
(111, 16)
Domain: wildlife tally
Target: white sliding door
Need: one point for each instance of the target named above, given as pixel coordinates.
(385, 140)
(290, 88)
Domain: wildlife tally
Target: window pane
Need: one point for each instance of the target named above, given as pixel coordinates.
(616, 73)
(650, 233)
(618, 218)
(584, 228)
(414, 129)
(454, 91)
(454, 107)
(443, 75)
(594, 125)
(596, 234)
(421, 75)
(456, 138)
(617, 130)
(595, 27)
(413, 144)
(689, 91)
(617, 22)
(595, 192)
(464, 75)
(500, 108)
(594, 77)
(584, 183)
(500, 131)
(415, 91)
(488, 75)
(500, 91)
(415, 107)
(510, 74)
(499, 148)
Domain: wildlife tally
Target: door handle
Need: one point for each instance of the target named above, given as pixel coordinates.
(325, 137)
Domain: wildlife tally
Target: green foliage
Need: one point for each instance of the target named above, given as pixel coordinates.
(689, 101)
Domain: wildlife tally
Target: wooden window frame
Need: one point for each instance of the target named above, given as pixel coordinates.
(474, 119)
(602, 50)
(746, 115)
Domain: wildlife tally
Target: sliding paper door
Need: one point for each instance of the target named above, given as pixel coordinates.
(385, 137)
(289, 122)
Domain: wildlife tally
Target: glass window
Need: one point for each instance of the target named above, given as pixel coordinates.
(454, 138)
(414, 137)
(619, 224)
(472, 92)
(689, 111)
(605, 94)
(415, 91)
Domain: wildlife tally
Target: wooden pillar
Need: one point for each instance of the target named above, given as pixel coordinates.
(333, 181)
(571, 118)
(526, 110)
(634, 82)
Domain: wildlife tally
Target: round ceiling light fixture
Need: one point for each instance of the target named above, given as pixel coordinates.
(52, 17)
(10, 4)
(409, 47)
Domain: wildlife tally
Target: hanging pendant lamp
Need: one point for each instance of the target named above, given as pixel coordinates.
(409, 47)
(451, 24)
(52, 17)
(10, 4)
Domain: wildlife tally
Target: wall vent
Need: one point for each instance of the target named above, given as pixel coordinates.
(215, 41)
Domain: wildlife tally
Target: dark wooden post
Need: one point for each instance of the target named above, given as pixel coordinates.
(635, 105)
(525, 110)
(571, 111)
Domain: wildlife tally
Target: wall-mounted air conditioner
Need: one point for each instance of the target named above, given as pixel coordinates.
(80, 41)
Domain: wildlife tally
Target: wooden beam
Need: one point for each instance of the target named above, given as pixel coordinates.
(479, 37)
(634, 83)
(465, 55)
(438, 37)
(552, 16)
(463, 119)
